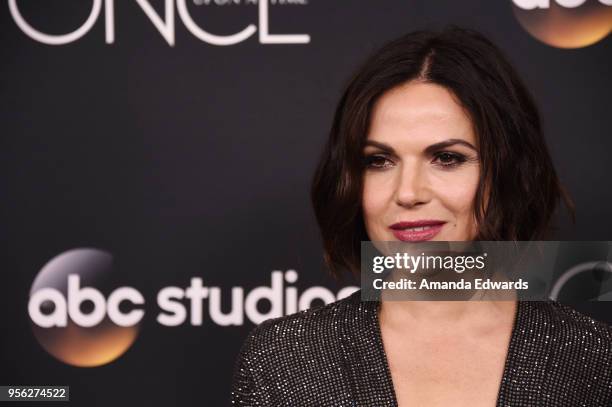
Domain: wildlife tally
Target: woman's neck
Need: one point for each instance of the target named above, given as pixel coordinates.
(445, 315)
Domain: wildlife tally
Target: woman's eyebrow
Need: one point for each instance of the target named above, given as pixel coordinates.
(429, 150)
(385, 147)
(447, 143)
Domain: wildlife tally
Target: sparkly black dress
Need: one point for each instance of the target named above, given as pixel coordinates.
(334, 356)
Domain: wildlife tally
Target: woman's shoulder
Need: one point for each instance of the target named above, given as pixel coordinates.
(558, 351)
(281, 354)
(306, 358)
(321, 323)
(575, 347)
(562, 330)
(566, 321)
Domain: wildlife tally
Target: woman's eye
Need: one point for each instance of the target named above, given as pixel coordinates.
(377, 161)
(448, 159)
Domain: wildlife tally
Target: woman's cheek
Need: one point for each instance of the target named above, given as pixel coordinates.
(457, 194)
(457, 190)
(377, 193)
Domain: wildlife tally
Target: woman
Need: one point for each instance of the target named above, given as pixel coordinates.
(435, 138)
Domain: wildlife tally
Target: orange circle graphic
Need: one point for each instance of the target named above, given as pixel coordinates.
(564, 27)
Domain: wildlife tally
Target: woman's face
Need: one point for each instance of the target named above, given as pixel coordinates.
(421, 167)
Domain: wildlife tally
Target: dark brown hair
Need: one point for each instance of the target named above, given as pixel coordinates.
(517, 171)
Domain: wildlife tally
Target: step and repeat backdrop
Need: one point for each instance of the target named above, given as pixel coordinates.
(155, 161)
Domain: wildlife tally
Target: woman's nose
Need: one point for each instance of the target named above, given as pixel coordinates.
(412, 187)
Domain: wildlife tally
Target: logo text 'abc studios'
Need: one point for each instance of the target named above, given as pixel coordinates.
(565, 23)
(165, 25)
(77, 323)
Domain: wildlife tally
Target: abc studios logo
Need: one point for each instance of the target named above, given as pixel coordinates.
(86, 330)
(565, 23)
(79, 316)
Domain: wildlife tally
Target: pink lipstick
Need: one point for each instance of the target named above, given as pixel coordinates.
(416, 231)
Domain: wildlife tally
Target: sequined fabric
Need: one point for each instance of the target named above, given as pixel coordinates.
(334, 356)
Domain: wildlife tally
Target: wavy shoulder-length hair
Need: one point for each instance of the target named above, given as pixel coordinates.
(518, 190)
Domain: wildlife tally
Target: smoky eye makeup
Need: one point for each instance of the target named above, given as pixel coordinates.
(377, 160)
(445, 159)
(442, 155)
(452, 159)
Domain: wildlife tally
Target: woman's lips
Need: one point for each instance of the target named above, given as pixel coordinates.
(416, 231)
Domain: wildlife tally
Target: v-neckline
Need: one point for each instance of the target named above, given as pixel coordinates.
(512, 343)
